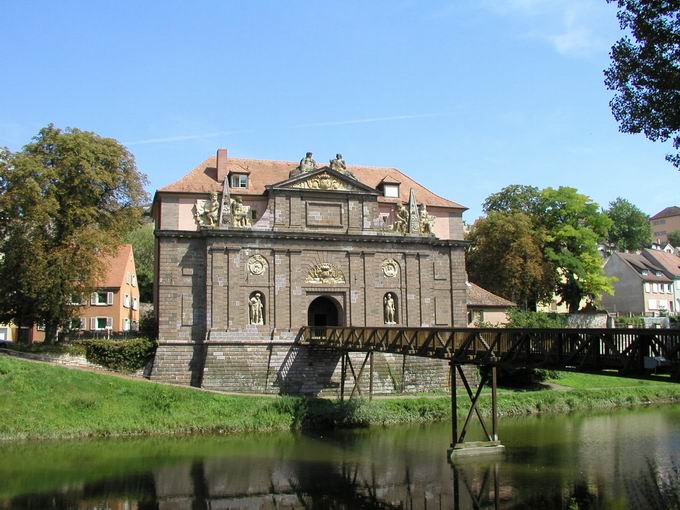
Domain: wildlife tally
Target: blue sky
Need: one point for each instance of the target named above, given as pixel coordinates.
(467, 96)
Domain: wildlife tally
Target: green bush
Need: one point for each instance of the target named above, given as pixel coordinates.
(635, 321)
(123, 355)
(518, 318)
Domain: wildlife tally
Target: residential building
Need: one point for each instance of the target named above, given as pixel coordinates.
(664, 222)
(485, 307)
(642, 287)
(249, 251)
(669, 263)
(114, 306)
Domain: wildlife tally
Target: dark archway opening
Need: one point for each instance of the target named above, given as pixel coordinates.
(322, 312)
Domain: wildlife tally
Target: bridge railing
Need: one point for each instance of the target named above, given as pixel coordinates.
(597, 348)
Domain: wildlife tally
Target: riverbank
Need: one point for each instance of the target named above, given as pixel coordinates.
(41, 401)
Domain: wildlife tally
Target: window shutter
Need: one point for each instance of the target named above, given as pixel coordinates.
(109, 298)
(93, 298)
(109, 322)
(83, 323)
(93, 323)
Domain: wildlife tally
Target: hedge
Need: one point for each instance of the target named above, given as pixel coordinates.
(124, 355)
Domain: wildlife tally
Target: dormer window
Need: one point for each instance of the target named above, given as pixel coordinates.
(239, 181)
(658, 273)
(645, 272)
(391, 190)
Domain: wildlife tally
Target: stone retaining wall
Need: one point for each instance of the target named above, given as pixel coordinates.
(68, 360)
(285, 367)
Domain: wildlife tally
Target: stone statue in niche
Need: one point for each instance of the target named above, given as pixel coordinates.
(256, 308)
(307, 164)
(426, 220)
(206, 212)
(401, 219)
(390, 306)
(240, 213)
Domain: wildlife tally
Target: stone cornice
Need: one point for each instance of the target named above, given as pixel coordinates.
(309, 236)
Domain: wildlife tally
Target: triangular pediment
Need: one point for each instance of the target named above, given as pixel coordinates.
(324, 179)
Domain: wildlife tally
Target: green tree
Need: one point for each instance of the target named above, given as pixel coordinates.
(143, 243)
(630, 228)
(66, 199)
(515, 198)
(674, 238)
(645, 71)
(506, 257)
(574, 226)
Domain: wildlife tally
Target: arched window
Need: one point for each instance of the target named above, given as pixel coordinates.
(390, 309)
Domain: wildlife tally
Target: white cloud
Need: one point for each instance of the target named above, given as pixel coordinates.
(571, 27)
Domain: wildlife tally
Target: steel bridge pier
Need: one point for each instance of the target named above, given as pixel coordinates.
(459, 447)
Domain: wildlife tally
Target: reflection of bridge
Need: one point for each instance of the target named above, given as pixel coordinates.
(630, 351)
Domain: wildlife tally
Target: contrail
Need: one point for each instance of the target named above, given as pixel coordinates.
(214, 134)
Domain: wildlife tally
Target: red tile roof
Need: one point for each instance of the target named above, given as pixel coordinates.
(640, 263)
(477, 296)
(115, 267)
(203, 179)
(669, 262)
(667, 212)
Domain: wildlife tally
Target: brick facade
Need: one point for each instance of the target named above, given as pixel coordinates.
(205, 279)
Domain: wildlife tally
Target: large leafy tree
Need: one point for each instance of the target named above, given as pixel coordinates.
(630, 228)
(66, 200)
(142, 241)
(515, 198)
(506, 257)
(574, 227)
(534, 243)
(645, 71)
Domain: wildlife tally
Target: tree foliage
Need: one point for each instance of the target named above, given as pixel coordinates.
(545, 242)
(142, 241)
(674, 238)
(630, 228)
(515, 198)
(645, 71)
(506, 258)
(66, 200)
(574, 226)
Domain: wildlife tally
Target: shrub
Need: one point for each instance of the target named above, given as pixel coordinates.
(123, 355)
(518, 318)
(525, 377)
(147, 325)
(635, 321)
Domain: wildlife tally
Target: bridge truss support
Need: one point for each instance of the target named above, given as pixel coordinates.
(345, 364)
(459, 447)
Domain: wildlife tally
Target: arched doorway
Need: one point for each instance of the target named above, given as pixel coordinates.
(323, 311)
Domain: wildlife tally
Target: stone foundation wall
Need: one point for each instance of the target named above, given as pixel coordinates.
(284, 367)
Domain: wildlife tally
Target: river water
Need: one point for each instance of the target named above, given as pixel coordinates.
(622, 459)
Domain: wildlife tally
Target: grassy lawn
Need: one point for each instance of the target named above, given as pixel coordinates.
(39, 400)
(597, 381)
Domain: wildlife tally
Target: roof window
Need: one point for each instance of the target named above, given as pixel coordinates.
(391, 190)
(238, 181)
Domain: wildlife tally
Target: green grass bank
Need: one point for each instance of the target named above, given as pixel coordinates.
(41, 401)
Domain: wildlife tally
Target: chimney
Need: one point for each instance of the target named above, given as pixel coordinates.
(221, 164)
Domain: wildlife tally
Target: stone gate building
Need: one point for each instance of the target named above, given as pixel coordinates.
(248, 251)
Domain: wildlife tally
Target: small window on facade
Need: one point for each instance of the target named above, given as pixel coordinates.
(239, 181)
(135, 303)
(134, 280)
(126, 325)
(102, 323)
(391, 190)
(647, 289)
(645, 272)
(126, 301)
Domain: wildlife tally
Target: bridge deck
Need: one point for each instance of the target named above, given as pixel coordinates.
(622, 349)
